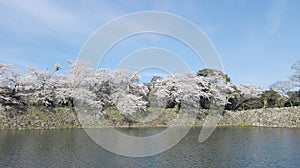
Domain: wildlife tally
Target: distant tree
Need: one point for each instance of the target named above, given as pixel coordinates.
(250, 103)
(172, 90)
(249, 91)
(8, 83)
(155, 80)
(126, 95)
(79, 86)
(283, 88)
(6, 73)
(38, 87)
(211, 72)
(294, 97)
(232, 104)
(231, 94)
(248, 97)
(102, 86)
(271, 98)
(296, 77)
(193, 91)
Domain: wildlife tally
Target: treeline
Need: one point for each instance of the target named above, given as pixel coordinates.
(267, 99)
(120, 89)
(279, 94)
(103, 88)
(250, 96)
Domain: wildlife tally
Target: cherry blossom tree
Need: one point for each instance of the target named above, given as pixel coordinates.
(127, 95)
(78, 86)
(189, 89)
(8, 83)
(283, 87)
(250, 90)
(92, 90)
(38, 86)
(5, 74)
(96, 89)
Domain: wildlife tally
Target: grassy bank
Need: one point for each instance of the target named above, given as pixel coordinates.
(65, 118)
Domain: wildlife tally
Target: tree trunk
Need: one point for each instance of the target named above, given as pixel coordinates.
(265, 103)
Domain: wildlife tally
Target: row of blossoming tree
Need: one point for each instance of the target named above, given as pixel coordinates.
(105, 88)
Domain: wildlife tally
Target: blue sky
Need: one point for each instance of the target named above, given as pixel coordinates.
(257, 40)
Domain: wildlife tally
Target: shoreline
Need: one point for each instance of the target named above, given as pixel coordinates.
(146, 127)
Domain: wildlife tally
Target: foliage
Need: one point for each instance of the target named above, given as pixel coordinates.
(103, 90)
(271, 98)
(294, 98)
(211, 72)
(192, 91)
(283, 88)
(8, 76)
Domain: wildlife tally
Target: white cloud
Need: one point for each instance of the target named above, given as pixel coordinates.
(55, 18)
(42, 26)
(40, 13)
(274, 17)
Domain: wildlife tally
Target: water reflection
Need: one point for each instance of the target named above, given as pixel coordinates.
(227, 147)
